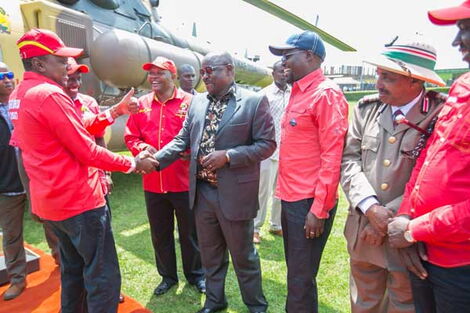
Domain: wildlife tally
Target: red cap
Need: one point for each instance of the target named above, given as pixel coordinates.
(38, 42)
(450, 15)
(74, 66)
(162, 63)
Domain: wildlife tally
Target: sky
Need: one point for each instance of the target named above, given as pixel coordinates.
(367, 25)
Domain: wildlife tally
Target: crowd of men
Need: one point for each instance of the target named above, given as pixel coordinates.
(214, 160)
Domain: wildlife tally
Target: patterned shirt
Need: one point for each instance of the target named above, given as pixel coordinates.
(278, 100)
(214, 114)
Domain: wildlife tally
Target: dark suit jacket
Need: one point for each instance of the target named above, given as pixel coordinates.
(246, 131)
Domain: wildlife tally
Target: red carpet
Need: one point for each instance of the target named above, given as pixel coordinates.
(42, 294)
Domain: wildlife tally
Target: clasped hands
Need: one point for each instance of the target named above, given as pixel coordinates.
(145, 163)
(381, 223)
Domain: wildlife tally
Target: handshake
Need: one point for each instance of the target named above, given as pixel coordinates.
(145, 163)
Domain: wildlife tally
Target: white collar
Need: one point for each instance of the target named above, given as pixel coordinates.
(407, 107)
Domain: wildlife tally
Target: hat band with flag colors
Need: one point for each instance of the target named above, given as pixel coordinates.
(38, 42)
(415, 59)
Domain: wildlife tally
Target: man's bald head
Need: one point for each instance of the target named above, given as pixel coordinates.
(218, 73)
(222, 57)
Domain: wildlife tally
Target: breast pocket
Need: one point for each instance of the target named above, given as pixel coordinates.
(300, 119)
(370, 147)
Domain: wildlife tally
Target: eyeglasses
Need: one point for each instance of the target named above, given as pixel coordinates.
(210, 69)
(286, 56)
(8, 75)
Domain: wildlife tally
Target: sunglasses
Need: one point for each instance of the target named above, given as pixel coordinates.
(286, 56)
(8, 75)
(210, 69)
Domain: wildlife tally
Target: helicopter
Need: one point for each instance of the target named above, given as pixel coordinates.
(117, 37)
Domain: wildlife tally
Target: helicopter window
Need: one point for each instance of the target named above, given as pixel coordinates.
(107, 4)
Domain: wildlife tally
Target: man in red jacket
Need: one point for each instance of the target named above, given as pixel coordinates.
(160, 118)
(436, 205)
(61, 160)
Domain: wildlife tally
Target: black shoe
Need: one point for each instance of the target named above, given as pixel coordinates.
(208, 310)
(163, 288)
(200, 285)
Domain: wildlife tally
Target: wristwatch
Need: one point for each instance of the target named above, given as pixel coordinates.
(408, 236)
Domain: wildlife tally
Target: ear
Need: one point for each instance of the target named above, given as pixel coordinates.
(230, 67)
(37, 65)
(173, 76)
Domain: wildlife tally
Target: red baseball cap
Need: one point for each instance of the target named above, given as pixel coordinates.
(448, 16)
(162, 63)
(38, 42)
(74, 66)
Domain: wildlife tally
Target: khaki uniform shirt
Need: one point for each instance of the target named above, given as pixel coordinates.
(377, 162)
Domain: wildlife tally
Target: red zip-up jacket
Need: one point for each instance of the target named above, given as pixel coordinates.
(157, 124)
(437, 196)
(59, 154)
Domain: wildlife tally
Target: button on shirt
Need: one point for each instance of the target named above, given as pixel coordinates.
(278, 100)
(437, 195)
(59, 154)
(365, 204)
(156, 124)
(313, 131)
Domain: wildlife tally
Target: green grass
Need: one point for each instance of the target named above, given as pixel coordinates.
(140, 277)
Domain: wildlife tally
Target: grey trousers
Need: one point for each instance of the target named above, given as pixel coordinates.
(216, 234)
(267, 186)
(11, 221)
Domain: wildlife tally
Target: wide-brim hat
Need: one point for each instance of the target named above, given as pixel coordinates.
(414, 59)
(449, 16)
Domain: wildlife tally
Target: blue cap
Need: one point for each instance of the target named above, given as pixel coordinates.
(307, 40)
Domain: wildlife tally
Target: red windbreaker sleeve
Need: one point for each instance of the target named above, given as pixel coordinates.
(58, 112)
(450, 223)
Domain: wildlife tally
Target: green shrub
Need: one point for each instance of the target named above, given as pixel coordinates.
(356, 95)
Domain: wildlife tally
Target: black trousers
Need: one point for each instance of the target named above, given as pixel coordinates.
(217, 234)
(89, 269)
(302, 256)
(445, 290)
(161, 209)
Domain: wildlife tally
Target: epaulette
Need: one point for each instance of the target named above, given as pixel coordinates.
(374, 98)
(431, 94)
(433, 97)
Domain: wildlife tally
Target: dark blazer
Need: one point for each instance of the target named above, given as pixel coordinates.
(246, 131)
